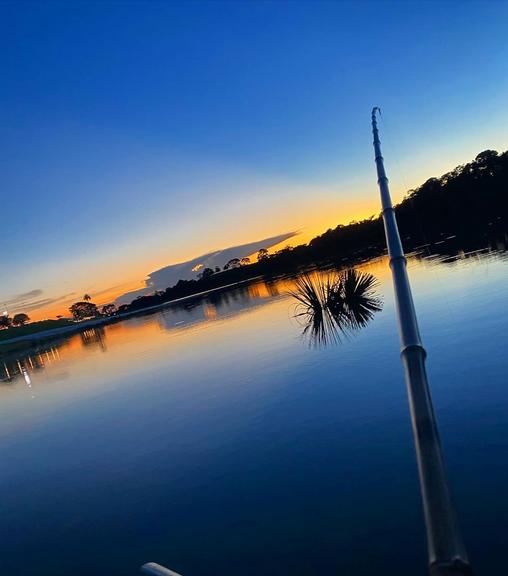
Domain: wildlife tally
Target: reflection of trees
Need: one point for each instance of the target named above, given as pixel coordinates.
(94, 337)
(272, 288)
(216, 305)
(209, 307)
(216, 299)
(453, 248)
(242, 294)
(14, 367)
(22, 364)
(335, 305)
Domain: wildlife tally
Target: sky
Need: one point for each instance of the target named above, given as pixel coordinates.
(135, 135)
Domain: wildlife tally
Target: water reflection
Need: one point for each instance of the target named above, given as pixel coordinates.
(335, 304)
(22, 365)
(94, 337)
(238, 419)
(320, 328)
(454, 248)
(220, 305)
(216, 306)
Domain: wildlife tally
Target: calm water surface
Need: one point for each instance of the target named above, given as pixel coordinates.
(213, 439)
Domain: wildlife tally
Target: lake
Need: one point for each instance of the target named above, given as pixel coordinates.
(213, 438)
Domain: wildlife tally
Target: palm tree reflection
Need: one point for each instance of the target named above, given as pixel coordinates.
(335, 305)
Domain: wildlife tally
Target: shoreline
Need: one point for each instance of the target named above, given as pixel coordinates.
(28, 340)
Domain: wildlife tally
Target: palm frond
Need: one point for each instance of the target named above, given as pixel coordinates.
(333, 305)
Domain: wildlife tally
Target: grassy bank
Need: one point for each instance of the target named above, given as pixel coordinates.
(33, 328)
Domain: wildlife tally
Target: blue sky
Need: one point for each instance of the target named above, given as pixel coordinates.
(140, 134)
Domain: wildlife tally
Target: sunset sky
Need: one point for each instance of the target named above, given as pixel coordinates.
(136, 135)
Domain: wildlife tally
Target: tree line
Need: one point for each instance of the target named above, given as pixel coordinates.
(86, 309)
(469, 203)
(17, 320)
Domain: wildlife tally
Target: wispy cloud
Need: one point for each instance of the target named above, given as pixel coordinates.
(111, 289)
(29, 301)
(24, 296)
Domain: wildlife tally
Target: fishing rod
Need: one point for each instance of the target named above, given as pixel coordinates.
(447, 554)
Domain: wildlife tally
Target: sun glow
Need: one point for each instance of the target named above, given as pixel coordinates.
(102, 295)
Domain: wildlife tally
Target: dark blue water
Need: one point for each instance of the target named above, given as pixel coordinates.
(213, 439)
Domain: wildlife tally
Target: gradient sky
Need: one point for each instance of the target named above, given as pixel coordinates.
(139, 134)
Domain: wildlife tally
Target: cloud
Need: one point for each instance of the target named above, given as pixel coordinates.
(169, 275)
(17, 298)
(28, 301)
(109, 290)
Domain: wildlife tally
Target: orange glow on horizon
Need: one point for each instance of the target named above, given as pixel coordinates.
(309, 219)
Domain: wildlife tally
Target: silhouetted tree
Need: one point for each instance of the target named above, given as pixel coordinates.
(87, 297)
(263, 254)
(5, 322)
(83, 310)
(469, 203)
(108, 309)
(245, 261)
(233, 263)
(20, 319)
(206, 273)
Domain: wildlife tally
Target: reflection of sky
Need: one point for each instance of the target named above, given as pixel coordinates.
(433, 286)
(212, 435)
(134, 137)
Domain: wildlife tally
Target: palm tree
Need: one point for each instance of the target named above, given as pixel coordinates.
(87, 297)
